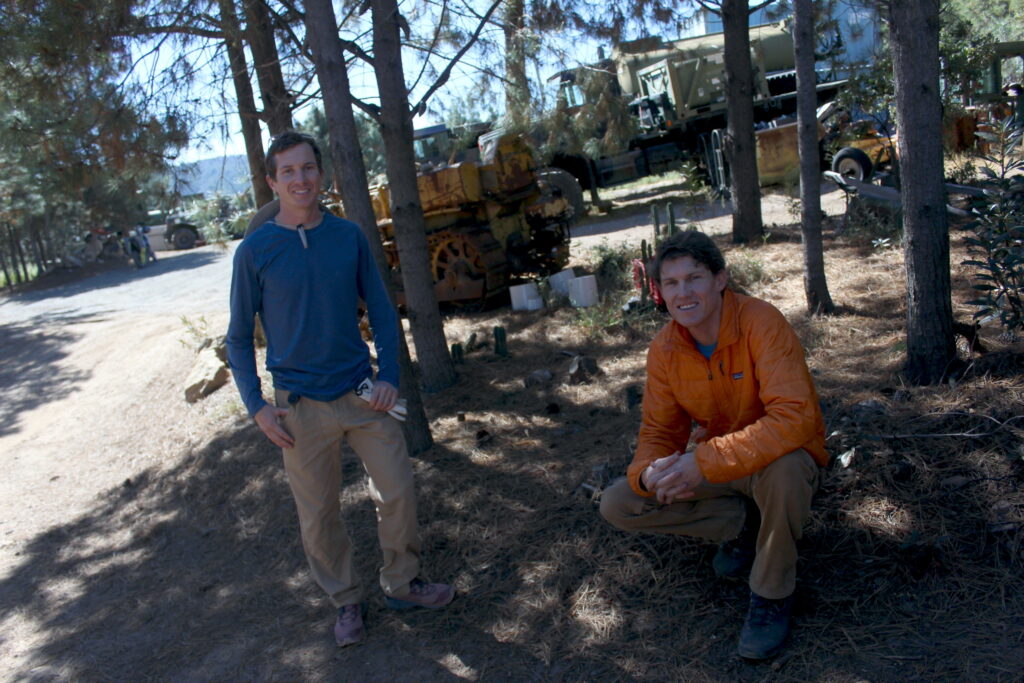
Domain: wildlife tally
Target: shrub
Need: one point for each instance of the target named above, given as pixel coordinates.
(746, 270)
(998, 231)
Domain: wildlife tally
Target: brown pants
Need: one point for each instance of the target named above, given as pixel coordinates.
(314, 474)
(782, 491)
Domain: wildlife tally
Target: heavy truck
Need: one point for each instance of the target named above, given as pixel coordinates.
(675, 91)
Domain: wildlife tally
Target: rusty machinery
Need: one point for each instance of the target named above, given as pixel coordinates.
(486, 220)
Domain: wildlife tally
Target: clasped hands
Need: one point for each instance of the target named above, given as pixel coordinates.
(673, 477)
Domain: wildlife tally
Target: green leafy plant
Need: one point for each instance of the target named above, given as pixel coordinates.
(196, 332)
(613, 267)
(221, 217)
(998, 232)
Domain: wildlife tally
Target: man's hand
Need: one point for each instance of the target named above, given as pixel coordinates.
(269, 420)
(383, 396)
(673, 477)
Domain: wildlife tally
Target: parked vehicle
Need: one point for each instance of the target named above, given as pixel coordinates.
(676, 93)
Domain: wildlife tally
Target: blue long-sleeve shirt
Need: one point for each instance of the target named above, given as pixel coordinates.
(307, 298)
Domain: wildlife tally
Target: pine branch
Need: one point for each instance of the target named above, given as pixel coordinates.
(446, 74)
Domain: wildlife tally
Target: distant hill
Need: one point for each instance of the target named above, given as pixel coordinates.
(226, 175)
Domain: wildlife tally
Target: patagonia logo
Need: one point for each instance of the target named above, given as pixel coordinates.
(737, 375)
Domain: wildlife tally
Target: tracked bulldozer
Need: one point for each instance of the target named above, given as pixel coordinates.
(488, 219)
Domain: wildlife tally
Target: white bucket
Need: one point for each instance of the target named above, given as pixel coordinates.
(583, 291)
(534, 304)
(560, 281)
(521, 295)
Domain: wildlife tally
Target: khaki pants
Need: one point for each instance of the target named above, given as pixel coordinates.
(314, 474)
(782, 491)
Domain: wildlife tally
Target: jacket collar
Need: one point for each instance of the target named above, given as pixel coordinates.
(679, 337)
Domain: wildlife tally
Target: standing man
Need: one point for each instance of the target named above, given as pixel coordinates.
(731, 366)
(304, 273)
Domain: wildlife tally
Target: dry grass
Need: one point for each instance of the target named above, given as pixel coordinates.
(910, 565)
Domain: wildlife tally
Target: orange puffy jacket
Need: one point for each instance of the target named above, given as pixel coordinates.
(755, 396)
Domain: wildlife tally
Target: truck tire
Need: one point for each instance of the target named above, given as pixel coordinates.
(183, 238)
(851, 162)
(567, 186)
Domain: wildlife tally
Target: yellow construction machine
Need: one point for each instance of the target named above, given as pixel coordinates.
(487, 219)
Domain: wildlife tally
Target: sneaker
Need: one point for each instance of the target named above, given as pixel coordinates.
(766, 627)
(734, 558)
(348, 628)
(422, 594)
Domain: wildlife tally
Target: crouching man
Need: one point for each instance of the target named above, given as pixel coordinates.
(730, 368)
(304, 273)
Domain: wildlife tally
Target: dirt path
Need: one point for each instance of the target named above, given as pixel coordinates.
(92, 373)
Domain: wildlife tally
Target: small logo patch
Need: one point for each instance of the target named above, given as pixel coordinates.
(737, 375)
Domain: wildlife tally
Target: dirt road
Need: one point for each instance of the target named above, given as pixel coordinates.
(91, 374)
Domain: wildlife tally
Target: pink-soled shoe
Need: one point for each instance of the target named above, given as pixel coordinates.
(422, 594)
(348, 629)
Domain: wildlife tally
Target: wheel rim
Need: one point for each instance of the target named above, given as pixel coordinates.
(183, 240)
(850, 168)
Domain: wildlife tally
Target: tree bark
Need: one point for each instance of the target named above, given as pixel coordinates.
(517, 86)
(8, 279)
(815, 285)
(347, 158)
(247, 113)
(35, 228)
(407, 212)
(740, 146)
(277, 103)
(915, 54)
(18, 253)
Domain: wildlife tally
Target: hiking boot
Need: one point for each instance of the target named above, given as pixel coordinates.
(348, 628)
(766, 627)
(422, 594)
(734, 558)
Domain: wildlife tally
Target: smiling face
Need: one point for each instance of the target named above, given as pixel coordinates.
(693, 295)
(297, 182)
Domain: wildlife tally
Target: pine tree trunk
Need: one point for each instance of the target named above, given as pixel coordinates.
(815, 285)
(35, 227)
(260, 36)
(915, 55)
(16, 279)
(8, 278)
(16, 241)
(407, 212)
(347, 159)
(235, 48)
(517, 86)
(740, 148)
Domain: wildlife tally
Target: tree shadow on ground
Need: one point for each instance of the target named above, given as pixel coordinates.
(196, 572)
(30, 367)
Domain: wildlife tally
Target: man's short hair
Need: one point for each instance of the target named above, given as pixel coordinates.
(692, 243)
(285, 141)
